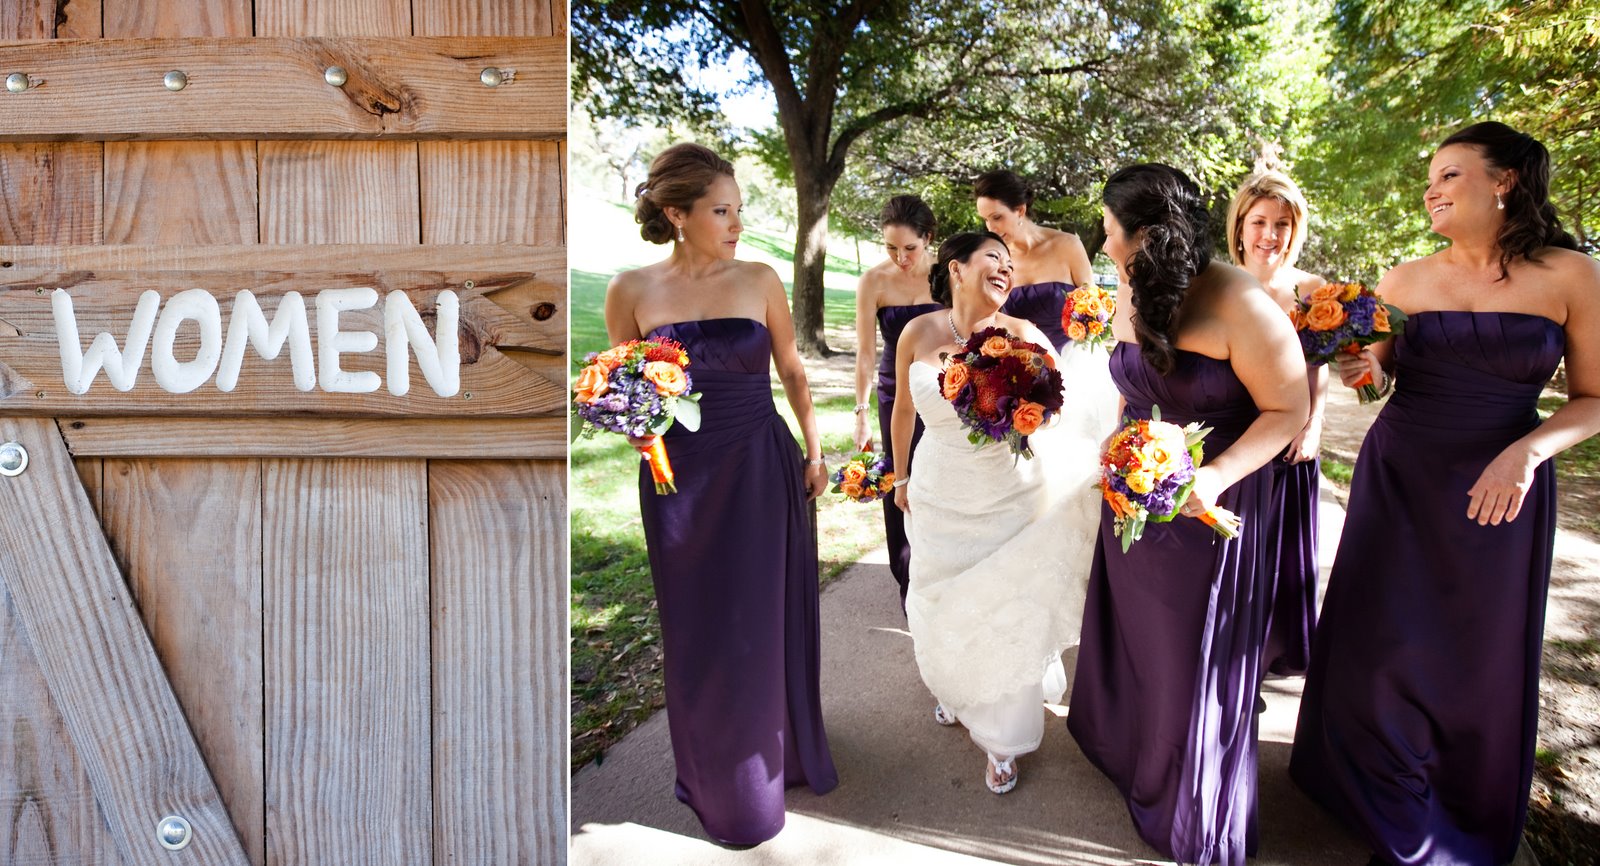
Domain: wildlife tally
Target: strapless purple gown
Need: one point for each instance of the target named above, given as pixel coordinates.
(1163, 701)
(891, 321)
(1291, 530)
(1041, 303)
(734, 559)
(1420, 709)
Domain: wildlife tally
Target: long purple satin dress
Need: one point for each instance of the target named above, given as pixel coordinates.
(1292, 560)
(734, 560)
(1163, 701)
(891, 321)
(1041, 304)
(1420, 709)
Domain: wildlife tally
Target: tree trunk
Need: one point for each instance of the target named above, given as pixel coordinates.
(813, 192)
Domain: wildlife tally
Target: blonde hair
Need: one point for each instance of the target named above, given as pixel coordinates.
(1261, 185)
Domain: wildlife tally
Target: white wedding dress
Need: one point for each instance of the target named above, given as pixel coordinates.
(1000, 555)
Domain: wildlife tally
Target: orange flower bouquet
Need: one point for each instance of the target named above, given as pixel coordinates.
(1086, 316)
(864, 478)
(1343, 317)
(1003, 388)
(638, 389)
(1148, 470)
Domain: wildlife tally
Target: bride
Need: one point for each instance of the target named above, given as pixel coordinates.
(1000, 546)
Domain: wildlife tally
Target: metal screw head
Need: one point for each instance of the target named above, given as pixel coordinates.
(174, 833)
(469, 284)
(17, 82)
(13, 459)
(175, 80)
(335, 75)
(492, 76)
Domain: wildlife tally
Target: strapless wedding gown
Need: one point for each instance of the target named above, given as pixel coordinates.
(1000, 555)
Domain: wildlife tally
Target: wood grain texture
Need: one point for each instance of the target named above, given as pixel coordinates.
(48, 815)
(332, 192)
(497, 535)
(491, 383)
(333, 17)
(133, 18)
(561, 163)
(482, 18)
(452, 263)
(188, 536)
(559, 14)
(345, 571)
(178, 192)
(416, 87)
(75, 610)
(491, 192)
(483, 438)
(49, 19)
(91, 473)
(50, 193)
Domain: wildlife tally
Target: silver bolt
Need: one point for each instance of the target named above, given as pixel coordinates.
(175, 80)
(13, 459)
(492, 76)
(17, 82)
(335, 75)
(468, 284)
(174, 833)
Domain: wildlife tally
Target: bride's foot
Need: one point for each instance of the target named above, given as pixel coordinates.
(943, 716)
(1001, 774)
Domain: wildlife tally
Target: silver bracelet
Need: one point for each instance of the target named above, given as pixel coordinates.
(862, 407)
(817, 462)
(901, 482)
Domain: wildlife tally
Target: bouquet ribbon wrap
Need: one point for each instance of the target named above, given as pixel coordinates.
(660, 467)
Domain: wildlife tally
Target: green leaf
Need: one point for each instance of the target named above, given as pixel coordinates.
(687, 413)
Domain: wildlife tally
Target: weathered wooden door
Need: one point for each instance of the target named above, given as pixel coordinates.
(282, 323)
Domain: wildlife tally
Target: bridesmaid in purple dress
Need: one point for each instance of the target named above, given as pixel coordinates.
(733, 554)
(1266, 231)
(1418, 722)
(1164, 697)
(891, 294)
(1048, 263)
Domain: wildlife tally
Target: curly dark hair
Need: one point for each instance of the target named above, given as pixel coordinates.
(956, 248)
(1164, 203)
(1006, 187)
(679, 176)
(1531, 223)
(911, 212)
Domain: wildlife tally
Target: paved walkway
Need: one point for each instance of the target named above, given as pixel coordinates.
(912, 792)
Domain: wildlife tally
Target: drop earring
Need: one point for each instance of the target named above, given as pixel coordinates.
(1499, 203)
(680, 234)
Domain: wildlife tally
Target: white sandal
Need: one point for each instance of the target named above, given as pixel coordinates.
(943, 716)
(1004, 777)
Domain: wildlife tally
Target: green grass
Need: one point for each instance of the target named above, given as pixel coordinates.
(1581, 460)
(616, 633)
(1337, 471)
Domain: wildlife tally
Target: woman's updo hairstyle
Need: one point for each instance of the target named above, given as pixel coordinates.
(1169, 208)
(1274, 184)
(911, 212)
(956, 248)
(1005, 187)
(679, 176)
(1531, 221)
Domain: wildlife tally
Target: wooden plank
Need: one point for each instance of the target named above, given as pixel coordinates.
(453, 263)
(491, 192)
(91, 473)
(561, 164)
(188, 536)
(49, 19)
(179, 192)
(497, 534)
(331, 192)
(333, 17)
(76, 612)
(483, 438)
(559, 12)
(346, 579)
(131, 18)
(482, 18)
(415, 87)
(50, 193)
(490, 383)
(48, 814)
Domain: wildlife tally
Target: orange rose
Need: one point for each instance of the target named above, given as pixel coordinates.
(1326, 292)
(1075, 331)
(668, 378)
(612, 358)
(1095, 329)
(996, 346)
(850, 489)
(854, 473)
(1324, 316)
(886, 483)
(1120, 506)
(1027, 417)
(955, 378)
(1095, 308)
(592, 383)
(1380, 319)
(1298, 319)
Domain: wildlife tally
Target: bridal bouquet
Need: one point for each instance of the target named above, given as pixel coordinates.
(864, 477)
(637, 388)
(1343, 317)
(1003, 388)
(1148, 468)
(1086, 316)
